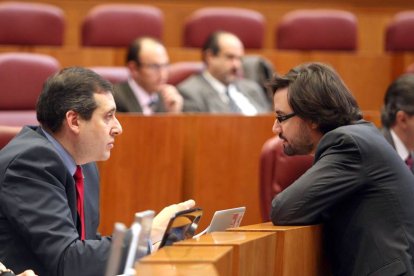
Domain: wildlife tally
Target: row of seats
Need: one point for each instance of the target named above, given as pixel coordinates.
(116, 25)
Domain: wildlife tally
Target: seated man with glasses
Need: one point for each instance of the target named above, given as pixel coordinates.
(146, 90)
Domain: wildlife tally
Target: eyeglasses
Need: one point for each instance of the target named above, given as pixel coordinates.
(154, 66)
(281, 118)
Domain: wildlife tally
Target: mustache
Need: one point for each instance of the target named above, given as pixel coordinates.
(282, 137)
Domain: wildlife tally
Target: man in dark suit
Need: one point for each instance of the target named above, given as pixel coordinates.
(146, 90)
(45, 224)
(397, 117)
(220, 88)
(358, 187)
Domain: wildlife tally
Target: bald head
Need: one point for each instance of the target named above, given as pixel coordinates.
(147, 61)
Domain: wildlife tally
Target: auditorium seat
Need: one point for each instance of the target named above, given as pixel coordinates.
(278, 171)
(117, 25)
(21, 80)
(31, 24)
(248, 25)
(7, 133)
(114, 74)
(325, 30)
(399, 32)
(179, 71)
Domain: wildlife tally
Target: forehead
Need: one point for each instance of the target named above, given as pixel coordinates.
(152, 52)
(105, 101)
(230, 44)
(280, 101)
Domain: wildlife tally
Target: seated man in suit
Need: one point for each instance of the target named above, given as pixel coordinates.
(397, 117)
(146, 90)
(49, 183)
(358, 187)
(220, 88)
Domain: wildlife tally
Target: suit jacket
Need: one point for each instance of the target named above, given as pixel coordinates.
(200, 96)
(126, 101)
(38, 216)
(361, 191)
(387, 134)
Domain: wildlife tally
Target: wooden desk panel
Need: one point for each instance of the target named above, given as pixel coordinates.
(144, 170)
(155, 269)
(253, 252)
(298, 248)
(222, 162)
(219, 256)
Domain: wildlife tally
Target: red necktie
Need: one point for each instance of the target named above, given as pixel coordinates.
(79, 198)
(409, 162)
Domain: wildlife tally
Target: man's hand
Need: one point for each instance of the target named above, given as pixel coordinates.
(161, 220)
(173, 101)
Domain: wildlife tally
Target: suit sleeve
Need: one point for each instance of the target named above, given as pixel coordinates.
(311, 199)
(192, 102)
(34, 198)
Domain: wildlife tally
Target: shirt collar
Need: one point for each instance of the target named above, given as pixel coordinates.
(64, 155)
(401, 149)
(215, 83)
(143, 96)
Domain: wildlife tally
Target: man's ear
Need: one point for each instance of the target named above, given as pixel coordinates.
(72, 121)
(401, 118)
(132, 65)
(314, 126)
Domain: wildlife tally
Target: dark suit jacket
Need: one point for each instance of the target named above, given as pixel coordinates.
(38, 217)
(387, 134)
(360, 190)
(200, 96)
(127, 102)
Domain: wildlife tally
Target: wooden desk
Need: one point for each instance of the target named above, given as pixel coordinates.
(220, 257)
(221, 162)
(298, 248)
(253, 252)
(144, 170)
(155, 269)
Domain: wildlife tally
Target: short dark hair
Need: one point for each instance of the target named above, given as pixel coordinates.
(134, 48)
(399, 96)
(70, 89)
(317, 93)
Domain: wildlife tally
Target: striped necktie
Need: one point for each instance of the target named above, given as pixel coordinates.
(234, 108)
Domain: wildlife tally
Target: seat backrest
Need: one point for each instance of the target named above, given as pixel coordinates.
(246, 24)
(117, 25)
(7, 133)
(114, 74)
(179, 71)
(278, 171)
(260, 70)
(22, 76)
(399, 32)
(31, 24)
(331, 30)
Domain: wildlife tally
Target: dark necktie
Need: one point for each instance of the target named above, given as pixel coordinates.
(409, 161)
(234, 108)
(153, 105)
(79, 199)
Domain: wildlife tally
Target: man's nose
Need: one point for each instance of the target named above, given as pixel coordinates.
(276, 128)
